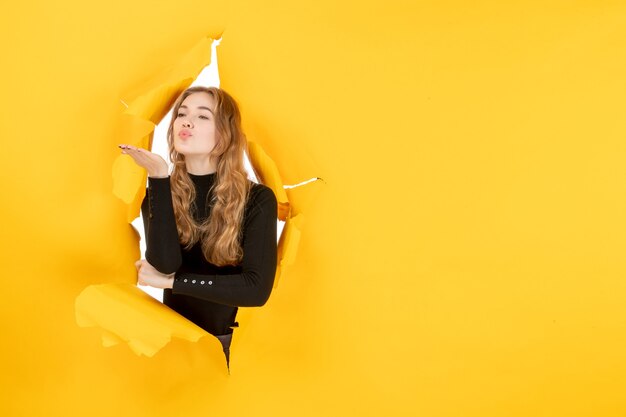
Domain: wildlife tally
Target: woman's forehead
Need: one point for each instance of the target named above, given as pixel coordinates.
(198, 99)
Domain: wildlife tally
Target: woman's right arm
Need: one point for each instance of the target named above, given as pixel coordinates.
(162, 243)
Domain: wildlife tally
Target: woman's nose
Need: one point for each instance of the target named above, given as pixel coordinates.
(186, 124)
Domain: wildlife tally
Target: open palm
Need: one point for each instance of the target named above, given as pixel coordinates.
(153, 163)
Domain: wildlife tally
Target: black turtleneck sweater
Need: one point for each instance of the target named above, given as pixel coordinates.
(204, 293)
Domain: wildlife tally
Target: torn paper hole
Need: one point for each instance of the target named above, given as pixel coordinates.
(108, 306)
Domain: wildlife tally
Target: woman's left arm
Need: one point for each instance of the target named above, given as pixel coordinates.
(252, 287)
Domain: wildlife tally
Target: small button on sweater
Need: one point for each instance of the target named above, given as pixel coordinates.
(204, 293)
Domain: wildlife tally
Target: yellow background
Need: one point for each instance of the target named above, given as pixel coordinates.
(463, 256)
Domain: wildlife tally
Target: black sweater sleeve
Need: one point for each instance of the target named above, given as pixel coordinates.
(162, 243)
(252, 287)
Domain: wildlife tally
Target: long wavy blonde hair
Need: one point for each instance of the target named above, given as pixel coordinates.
(220, 233)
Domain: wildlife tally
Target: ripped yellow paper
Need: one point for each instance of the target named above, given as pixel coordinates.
(106, 305)
(126, 314)
(465, 253)
(268, 174)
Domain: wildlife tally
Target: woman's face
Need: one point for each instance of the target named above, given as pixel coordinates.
(194, 125)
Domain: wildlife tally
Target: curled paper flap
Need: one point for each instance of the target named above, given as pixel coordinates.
(126, 314)
(267, 171)
(288, 244)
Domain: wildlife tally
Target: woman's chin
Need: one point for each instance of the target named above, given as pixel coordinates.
(187, 151)
(182, 149)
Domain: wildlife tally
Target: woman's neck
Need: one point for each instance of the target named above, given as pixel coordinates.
(200, 166)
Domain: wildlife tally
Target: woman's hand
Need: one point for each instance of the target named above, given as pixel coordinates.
(153, 163)
(148, 275)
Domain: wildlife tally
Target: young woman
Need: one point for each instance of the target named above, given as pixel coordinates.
(210, 232)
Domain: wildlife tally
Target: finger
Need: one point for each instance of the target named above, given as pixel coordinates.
(129, 151)
(125, 148)
(128, 148)
(140, 158)
(137, 149)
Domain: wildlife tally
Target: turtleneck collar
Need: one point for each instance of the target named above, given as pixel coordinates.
(202, 175)
(204, 179)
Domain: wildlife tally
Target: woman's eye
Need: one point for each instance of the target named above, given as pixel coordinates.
(182, 114)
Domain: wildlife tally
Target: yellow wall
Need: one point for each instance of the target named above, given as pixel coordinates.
(463, 256)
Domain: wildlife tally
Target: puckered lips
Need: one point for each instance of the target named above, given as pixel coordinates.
(184, 133)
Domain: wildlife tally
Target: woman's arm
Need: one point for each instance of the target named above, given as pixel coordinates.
(253, 286)
(162, 243)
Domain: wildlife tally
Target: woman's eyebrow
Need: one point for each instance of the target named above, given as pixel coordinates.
(200, 107)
